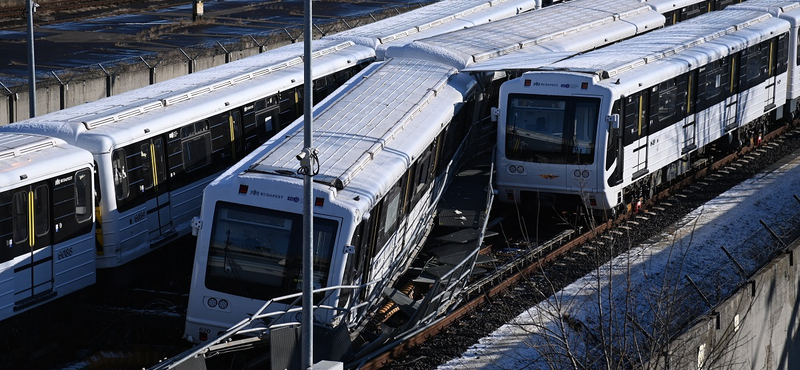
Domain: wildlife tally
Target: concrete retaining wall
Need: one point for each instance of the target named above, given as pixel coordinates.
(756, 328)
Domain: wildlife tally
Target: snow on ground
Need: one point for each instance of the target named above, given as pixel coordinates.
(655, 274)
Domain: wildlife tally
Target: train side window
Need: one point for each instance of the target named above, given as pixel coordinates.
(666, 104)
(147, 166)
(355, 263)
(221, 135)
(41, 210)
(98, 196)
(19, 211)
(753, 66)
(633, 122)
(390, 213)
(120, 174)
(196, 146)
(694, 10)
(160, 160)
(423, 173)
(6, 225)
(260, 104)
(797, 58)
(667, 101)
(290, 105)
(236, 120)
(722, 4)
(266, 125)
(342, 76)
(72, 207)
(713, 83)
(671, 17)
(83, 196)
(583, 131)
(613, 138)
(781, 48)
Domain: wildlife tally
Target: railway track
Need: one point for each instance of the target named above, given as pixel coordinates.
(566, 252)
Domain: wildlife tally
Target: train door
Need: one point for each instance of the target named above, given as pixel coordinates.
(774, 55)
(291, 105)
(33, 276)
(636, 133)
(689, 125)
(729, 87)
(260, 121)
(154, 176)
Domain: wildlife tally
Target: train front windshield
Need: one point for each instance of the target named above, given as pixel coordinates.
(551, 129)
(257, 252)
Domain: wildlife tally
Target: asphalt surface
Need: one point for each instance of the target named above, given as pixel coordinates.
(67, 44)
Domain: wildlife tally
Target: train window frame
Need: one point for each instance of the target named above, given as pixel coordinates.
(635, 123)
(548, 126)
(588, 126)
(797, 57)
(196, 136)
(694, 10)
(19, 215)
(148, 176)
(83, 195)
(391, 213)
(239, 217)
(423, 172)
(289, 105)
(612, 142)
(752, 67)
(119, 169)
(221, 136)
(667, 102)
(41, 210)
(781, 54)
(717, 73)
(160, 159)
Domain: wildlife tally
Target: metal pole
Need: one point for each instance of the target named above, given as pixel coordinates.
(31, 64)
(307, 323)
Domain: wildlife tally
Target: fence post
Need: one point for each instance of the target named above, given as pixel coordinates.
(192, 64)
(109, 81)
(12, 98)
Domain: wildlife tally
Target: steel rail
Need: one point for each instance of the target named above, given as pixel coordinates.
(525, 266)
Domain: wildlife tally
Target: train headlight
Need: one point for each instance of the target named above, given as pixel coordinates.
(512, 169)
(520, 169)
(212, 302)
(223, 304)
(586, 173)
(576, 173)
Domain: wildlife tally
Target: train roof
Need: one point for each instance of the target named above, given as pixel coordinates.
(775, 6)
(712, 30)
(576, 25)
(664, 6)
(369, 133)
(440, 17)
(165, 105)
(28, 158)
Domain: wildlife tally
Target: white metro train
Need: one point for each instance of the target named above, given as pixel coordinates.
(154, 149)
(46, 221)
(604, 129)
(387, 143)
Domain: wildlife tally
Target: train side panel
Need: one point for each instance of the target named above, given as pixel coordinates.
(47, 223)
